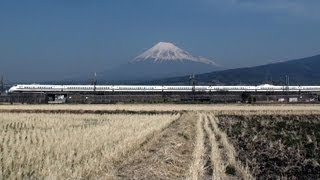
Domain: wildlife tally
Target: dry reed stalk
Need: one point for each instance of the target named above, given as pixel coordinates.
(197, 166)
(215, 155)
(229, 150)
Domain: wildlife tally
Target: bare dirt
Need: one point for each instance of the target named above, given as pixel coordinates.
(276, 146)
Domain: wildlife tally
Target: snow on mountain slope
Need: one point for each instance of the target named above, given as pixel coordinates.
(165, 51)
(161, 61)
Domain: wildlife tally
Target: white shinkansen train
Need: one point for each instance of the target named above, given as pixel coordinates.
(32, 88)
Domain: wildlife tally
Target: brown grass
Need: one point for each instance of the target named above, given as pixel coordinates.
(235, 108)
(155, 142)
(229, 151)
(73, 146)
(166, 156)
(197, 166)
(212, 160)
(215, 156)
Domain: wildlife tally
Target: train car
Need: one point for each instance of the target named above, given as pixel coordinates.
(269, 88)
(136, 88)
(100, 88)
(77, 88)
(309, 88)
(34, 88)
(232, 88)
(177, 88)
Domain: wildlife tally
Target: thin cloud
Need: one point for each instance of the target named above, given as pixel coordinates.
(274, 5)
(300, 8)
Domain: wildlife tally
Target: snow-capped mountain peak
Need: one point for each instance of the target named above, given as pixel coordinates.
(165, 51)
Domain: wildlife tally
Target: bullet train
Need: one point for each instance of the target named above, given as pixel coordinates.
(34, 88)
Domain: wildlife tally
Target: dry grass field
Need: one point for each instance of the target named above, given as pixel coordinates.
(158, 108)
(159, 141)
(75, 146)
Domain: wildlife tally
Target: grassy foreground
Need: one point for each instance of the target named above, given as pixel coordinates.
(159, 142)
(73, 146)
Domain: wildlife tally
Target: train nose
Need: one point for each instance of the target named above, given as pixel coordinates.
(12, 89)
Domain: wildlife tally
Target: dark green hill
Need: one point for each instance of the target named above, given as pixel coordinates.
(304, 71)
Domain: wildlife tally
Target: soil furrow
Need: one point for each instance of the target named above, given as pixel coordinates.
(167, 156)
(215, 155)
(232, 167)
(197, 166)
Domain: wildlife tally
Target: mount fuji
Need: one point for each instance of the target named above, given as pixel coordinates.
(161, 61)
(166, 52)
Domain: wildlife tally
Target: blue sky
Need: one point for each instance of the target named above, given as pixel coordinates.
(42, 39)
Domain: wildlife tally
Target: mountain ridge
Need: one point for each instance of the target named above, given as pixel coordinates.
(301, 71)
(163, 60)
(166, 51)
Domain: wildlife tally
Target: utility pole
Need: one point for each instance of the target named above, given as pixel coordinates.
(94, 81)
(287, 80)
(2, 85)
(192, 80)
